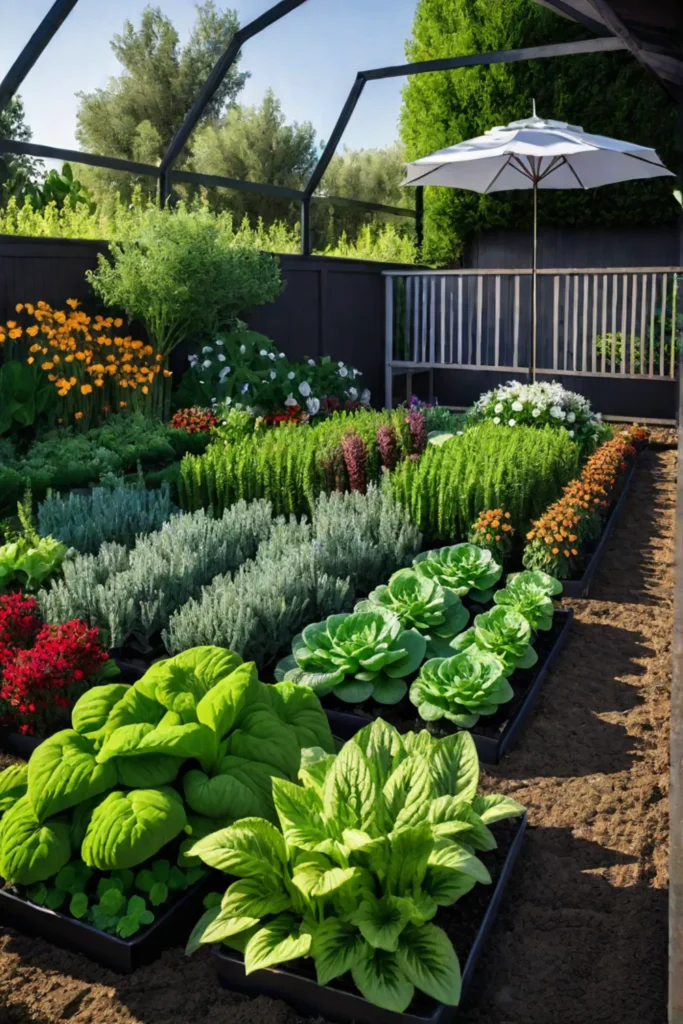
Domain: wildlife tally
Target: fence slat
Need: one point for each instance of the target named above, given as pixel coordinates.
(615, 296)
(674, 300)
(416, 320)
(432, 321)
(634, 315)
(584, 322)
(662, 336)
(452, 324)
(443, 319)
(496, 340)
(624, 323)
(556, 319)
(460, 319)
(389, 342)
(567, 281)
(604, 323)
(594, 328)
(652, 325)
(480, 313)
(575, 323)
(425, 304)
(643, 323)
(515, 326)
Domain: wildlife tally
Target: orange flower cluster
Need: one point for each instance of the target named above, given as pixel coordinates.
(84, 355)
(493, 530)
(194, 420)
(557, 537)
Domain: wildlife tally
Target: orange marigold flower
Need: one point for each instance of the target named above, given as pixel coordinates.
(123, 404)
(86, 389)
(556, 551)
(30, 360)
(78, 415)
(74, 303)
(15, 333)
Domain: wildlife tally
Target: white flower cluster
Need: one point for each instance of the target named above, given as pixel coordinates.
(537, 404)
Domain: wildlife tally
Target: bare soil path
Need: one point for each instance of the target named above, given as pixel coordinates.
(582, 935)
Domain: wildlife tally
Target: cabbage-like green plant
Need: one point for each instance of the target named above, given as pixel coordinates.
(28, 562)
(355, 656)
(501, 631)
(464, 568)
(107, 787)
(423, 604)
(372, 844)
(461, 688)
(530, 593)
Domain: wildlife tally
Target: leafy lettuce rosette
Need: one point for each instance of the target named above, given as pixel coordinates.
(461, 689)
(422, 604)
(463, 568)
(356, 656)
(503, 632)
(373, 842)
(530, 594)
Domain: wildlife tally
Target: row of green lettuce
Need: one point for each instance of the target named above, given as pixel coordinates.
(344, 858)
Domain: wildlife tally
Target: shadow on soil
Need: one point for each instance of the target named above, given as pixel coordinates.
(566, 738)
(564, 937)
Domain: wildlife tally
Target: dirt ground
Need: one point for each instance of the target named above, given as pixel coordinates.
(582, 934)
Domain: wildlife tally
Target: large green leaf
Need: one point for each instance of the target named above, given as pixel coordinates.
(455, 766)
(256, 897)
(427, 959)
(409, 855)
(449, 854)
(383, 747)
(408, 791)
(446, 885)
(300, 812)
(63, 772)
(220, 707)
(144, 771)
(216, 925)
(315, 764)
(276, 943)
(13, 785)
(336, 948)
(495, 807)
(381, 921)
(30, 851)
(350, 797)
(91, 711)
(184, 741)
(316, 877)
(380, 979)
(251, 848)
(124, 741)
(129, 828)
(192, 673)
(262, 736)
(138, 705)
(301, 708)
(242, 789)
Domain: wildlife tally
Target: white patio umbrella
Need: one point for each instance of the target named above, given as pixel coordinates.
(535, 153)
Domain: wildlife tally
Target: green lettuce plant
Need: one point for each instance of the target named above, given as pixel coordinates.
(422, 604)
(28, 562)
(461, 688)
(374, 842)
(530, 593)
(355, 656)
(501, 631)
(464, 568)
(107, 789)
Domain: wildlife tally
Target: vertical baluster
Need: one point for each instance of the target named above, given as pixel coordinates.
(406, 325)
(496, 343)
(594, 326)
(480, 313)
(443, 319)
(604, 323)
(460, 319)
(653, 300)
(389, 342)
(584, 324)
(674, 299)
(452, 323)
(634, 316)
(615, 296)
(416, 319)
(425, 311)
(432, 321)
(575, 323)
(556, 318)
(624, 322)
(643, 325)
(566, 320)
(662, 334)
(515, 325)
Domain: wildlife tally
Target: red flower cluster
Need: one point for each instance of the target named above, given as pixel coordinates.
(43, 669)
(195, 420)
(293, 414)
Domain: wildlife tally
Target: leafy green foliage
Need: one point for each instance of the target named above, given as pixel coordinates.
(86, 521)
(608, 94)
(26, 396)
(462, 568)
(357, 656)
(521, 470)
(28, 561)
(530, 593)
(461, 688)
(104, 790)
(503, 632)
(375, 840)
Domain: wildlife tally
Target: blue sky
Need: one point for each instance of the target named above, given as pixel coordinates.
(309, 59)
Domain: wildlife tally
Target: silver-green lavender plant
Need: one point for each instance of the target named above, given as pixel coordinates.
(131, 595)
(86, 521)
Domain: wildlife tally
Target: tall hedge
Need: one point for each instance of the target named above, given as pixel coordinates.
(606, 94)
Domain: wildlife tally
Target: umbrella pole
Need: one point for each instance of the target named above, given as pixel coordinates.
(534, 295)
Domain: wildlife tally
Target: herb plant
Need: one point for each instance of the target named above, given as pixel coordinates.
(461, 688)
(374, 842)
(120, 516)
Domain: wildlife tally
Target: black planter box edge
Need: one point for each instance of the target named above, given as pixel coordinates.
(17, 744)
(334, 1004)
(490, 749)
(577, 589)
(122, 955)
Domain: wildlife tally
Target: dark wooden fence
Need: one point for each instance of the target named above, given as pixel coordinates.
(328, 306)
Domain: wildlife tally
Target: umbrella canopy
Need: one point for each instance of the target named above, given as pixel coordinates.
(536, 151)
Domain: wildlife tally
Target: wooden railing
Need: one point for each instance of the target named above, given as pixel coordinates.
(625, 321)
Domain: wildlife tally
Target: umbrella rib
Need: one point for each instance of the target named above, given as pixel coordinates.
(432, 170)
(581, 184)
(517, 165)
(557, 161)
(497, 176)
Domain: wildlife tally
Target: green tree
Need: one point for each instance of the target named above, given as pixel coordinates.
(139, 112)
(608, 94)
(256, 144)
(17, 173)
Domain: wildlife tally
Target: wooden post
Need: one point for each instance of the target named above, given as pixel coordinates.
(676, 760)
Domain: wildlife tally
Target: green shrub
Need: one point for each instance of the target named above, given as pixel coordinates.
(130, 595)
(522, 470)
(86, 521)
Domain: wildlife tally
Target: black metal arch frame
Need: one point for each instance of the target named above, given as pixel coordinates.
(165, 173)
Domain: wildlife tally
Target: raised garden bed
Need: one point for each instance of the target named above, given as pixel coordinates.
(123, 955)
(492, 735)
(468, 924)
(579, 587)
